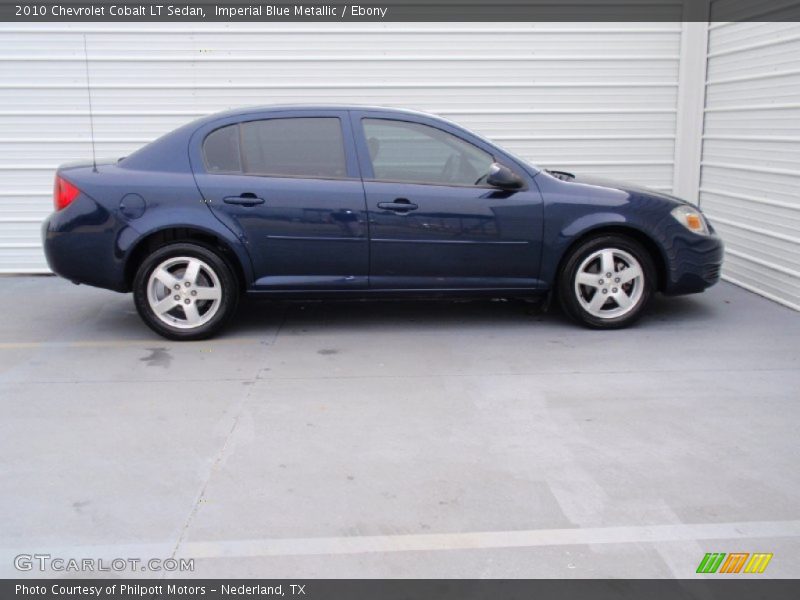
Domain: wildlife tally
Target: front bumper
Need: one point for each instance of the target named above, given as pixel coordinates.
(694, 262)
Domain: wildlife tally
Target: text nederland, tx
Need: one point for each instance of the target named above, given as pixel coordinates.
(147, 591)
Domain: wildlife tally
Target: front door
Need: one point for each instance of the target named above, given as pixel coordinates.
(289, 187)
(434, 223)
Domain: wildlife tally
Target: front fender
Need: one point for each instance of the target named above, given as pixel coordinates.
(574, 210)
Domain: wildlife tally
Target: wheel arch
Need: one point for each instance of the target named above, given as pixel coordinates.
(170, 235)
(634, 233)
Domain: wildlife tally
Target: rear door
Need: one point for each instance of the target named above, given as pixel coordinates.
(288, 185)
(434, 223)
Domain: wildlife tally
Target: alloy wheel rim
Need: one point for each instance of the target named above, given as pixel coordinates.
(609, 283)
(184, 292)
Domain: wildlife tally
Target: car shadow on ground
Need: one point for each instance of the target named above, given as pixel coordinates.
(254, 314)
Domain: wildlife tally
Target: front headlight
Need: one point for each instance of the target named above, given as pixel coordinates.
(691, 218)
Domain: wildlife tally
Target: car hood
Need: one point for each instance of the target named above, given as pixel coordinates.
(627, 187)
(632, 190)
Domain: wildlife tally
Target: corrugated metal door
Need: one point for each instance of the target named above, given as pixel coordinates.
(750, 177)
(594, 97)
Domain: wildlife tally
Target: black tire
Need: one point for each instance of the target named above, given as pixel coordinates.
(575, 298)
(214, 271)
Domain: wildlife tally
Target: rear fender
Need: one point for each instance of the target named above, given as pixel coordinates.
(199, 219)
(146, 202)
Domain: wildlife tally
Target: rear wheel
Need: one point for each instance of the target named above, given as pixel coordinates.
(606, 282)
(185, 291)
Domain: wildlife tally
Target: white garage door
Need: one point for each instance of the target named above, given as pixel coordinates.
(750, 178)
(598, 98)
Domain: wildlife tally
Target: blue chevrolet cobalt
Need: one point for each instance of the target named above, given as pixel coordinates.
(337, 202)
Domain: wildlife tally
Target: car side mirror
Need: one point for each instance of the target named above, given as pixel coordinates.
(504, 178)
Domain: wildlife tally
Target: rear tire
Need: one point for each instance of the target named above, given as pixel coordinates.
(606, 282)
(185, 291)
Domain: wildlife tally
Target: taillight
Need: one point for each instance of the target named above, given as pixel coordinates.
(64, 193)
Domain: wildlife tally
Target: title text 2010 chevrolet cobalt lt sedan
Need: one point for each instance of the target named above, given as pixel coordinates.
(321, 202)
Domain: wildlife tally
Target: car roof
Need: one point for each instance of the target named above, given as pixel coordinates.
(168, 153)
(249, 110)
(280, 107)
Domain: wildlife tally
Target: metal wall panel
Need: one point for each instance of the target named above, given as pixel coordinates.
(599, 98)
(750, 173)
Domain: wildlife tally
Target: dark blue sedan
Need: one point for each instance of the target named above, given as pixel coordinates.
(332, 202)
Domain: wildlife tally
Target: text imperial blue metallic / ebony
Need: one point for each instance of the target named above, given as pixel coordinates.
(323, 202)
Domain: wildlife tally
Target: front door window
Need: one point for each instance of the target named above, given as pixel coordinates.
(408, 152)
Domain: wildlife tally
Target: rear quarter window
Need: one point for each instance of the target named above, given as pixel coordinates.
(221, 150)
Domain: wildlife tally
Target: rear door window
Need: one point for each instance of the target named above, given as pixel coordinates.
(295, 147)
(291, 147)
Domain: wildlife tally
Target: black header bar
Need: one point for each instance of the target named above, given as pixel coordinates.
(398, 10)
(400, 589)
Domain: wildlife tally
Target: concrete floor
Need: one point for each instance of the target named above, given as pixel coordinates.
(400, 440)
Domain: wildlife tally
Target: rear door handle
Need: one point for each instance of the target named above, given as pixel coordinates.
(400, 205)
(246, 199)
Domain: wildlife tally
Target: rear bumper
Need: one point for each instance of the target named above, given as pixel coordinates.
(81, 244)
(694, 263)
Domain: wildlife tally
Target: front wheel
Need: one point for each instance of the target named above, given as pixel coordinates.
(606, 282)
(185, 291)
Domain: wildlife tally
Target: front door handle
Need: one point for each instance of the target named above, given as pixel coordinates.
(400, 205)
(246, 199)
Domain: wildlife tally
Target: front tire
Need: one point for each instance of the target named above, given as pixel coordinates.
(606, 282)
(185, 291)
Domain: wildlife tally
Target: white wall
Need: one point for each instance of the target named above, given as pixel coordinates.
(750, 179)
(594, 97)
(622, 100)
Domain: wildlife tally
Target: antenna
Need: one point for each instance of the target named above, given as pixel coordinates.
(89, 92)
